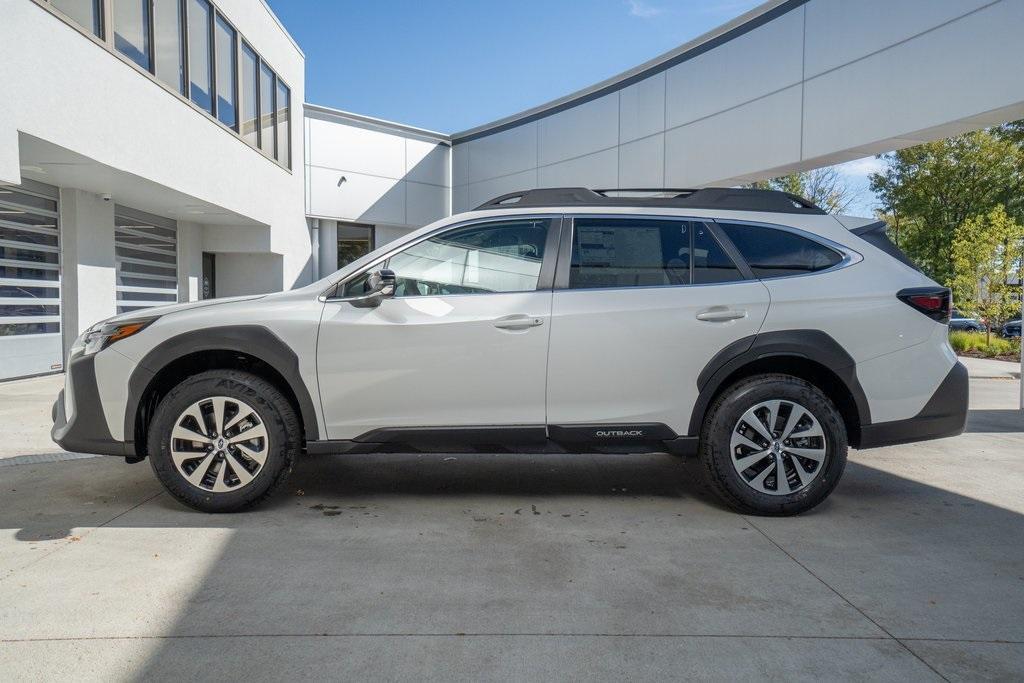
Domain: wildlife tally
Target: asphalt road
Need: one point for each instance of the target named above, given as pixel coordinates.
(515, 567)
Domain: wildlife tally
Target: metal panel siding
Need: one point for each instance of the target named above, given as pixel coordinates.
(30, 283)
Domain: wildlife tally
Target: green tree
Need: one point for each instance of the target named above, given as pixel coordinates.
(931, 189)
(987, 254)
(822, 186)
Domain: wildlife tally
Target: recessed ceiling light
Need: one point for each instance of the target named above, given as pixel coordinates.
(10, 211)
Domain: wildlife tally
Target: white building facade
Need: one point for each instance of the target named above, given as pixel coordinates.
(159, 150)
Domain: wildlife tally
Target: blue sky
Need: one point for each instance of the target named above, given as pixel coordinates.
(449, 65)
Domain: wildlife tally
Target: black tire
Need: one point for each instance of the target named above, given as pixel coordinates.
(275, 413)
(724, 416)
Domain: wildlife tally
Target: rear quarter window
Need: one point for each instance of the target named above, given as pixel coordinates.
(778, 253)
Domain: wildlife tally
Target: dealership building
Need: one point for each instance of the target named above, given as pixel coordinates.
(154, 151)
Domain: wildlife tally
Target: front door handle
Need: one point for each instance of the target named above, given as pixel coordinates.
(721, 314)
(518, 322)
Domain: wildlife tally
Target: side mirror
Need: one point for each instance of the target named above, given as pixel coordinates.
(380, 285)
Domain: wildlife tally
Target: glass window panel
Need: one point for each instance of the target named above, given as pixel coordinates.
(86, 13)
(131, 30)
(629, 253)
(778, 253)
(28, 328)
(13, 234)
(495, 257)
(250, 105)
(11, 198)
(266, 109)
(350, 249)
(19, 273)
(8, 291)
(146, 296)
(710, 262)
(199, 63)
(167, 43)
(28, 255)
(226, 58)
(28, 308)
(146, 258)
(283, 123)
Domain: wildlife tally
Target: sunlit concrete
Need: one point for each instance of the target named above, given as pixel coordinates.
(481, 567)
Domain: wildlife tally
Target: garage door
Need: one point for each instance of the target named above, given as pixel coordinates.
(146, 249)
(30, 325)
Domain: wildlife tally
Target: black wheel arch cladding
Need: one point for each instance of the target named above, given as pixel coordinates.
(813, 345)
(249, 340)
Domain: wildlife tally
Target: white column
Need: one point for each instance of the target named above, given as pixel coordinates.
(328, 247)
(314, 238)
(88, 274)
(190, 261)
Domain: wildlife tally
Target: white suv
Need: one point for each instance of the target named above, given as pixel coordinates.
(740, 326)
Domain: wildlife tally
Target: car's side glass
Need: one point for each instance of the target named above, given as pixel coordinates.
(710, 262)
(491, 257)
(646, 252)
(777, 253)
(357, 285)
(629, 252)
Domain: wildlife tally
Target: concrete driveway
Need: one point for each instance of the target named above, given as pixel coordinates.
(498, 567)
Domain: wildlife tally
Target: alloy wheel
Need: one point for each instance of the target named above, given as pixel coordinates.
(778, 447)
(219, 444)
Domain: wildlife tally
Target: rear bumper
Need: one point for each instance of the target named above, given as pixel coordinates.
(944, 415)
(86, 429)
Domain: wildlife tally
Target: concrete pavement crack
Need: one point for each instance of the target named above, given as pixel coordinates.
(844, 598)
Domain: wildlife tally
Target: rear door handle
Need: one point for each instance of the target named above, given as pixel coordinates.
(518, 322)
(721, 314)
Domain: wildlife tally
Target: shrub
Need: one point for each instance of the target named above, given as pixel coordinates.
(974, 343)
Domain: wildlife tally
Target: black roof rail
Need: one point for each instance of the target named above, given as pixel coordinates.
(723, 198)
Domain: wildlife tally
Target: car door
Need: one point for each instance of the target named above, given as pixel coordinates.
(463, 342)
(641, 305)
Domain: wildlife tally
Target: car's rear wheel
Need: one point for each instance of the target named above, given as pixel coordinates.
(773, 445)
(223, 440)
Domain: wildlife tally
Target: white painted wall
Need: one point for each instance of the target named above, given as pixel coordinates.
(65, 89)
(89, 278)
(190, 261)
(396, 178)
(824, 82)
(239, 274)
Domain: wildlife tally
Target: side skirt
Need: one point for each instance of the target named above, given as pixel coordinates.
(601, 438)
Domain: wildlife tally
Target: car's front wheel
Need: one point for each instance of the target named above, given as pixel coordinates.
(223, 440)
(773, 445)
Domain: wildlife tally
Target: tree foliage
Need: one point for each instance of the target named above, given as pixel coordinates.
(822, 186)
(928, 191)
(987, 255)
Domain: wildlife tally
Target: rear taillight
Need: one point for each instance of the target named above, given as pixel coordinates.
(934, 302)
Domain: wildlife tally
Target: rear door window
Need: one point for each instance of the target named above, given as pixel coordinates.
(778, 253)
(640, 252)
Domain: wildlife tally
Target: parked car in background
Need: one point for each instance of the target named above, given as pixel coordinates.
(959, 323)
(1011, 329)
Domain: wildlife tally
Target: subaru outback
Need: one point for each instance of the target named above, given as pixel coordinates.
(736, 326)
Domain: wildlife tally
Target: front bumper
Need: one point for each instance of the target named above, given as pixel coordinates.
(944, 415)
(86, 430)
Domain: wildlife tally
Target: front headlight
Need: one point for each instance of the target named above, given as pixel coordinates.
(103, 334)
